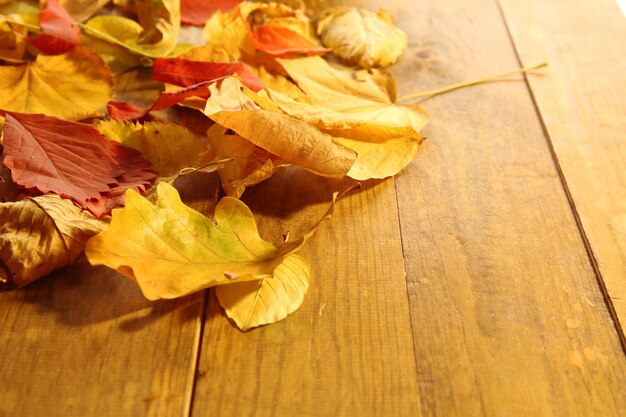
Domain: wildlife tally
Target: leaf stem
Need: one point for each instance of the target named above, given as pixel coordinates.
(470, 83)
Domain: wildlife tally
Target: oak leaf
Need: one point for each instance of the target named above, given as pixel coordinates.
(71, 159)
(255, 303)
(72, 86)
(171, 250)
(361, 36)
(40, 234)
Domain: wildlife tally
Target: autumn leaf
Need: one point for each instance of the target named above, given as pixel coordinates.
(361, 36)
(72, 86)
(171, 250)
(197, 12)
(57, 34)
(71, 159)
(169, 147)
(186, 73)
(255, 303)
(40, 234)
(283, 42)
(82, 10)
(154, 36)
(250, 164)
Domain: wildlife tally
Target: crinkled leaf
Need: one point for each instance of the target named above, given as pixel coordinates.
(361, 36)
(40, 234)
(268, 300)
(171, 250)
(57, 34)
(250, 164)
(71, 159)
(73, 86)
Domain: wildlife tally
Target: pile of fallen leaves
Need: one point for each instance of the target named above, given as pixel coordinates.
(88, 165)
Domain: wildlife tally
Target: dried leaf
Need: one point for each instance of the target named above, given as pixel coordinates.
(280, 41)
(197, 12)
(71, 159)
(82, 10)
(250, 164)
(155, 37)
(57, 34)
(73, 86)
(169, 147)
(255, 303)
(185, 73)
(40, 234)
(171, 250)
(361, 36)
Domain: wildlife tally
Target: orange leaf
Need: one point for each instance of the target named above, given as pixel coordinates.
(57, 34)
(281, 42)
(197, 12)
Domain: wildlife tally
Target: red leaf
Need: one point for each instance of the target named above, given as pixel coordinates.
(57, 34)
(197, 12)
(187, 73)
(119, 110)
(70, 159)
(280, 41)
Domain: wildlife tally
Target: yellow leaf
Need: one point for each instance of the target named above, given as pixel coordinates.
(82, 10)
(40, 234)
(169, 147)
(72, 86)
(252, 304)
(361, 36)
(171, 250)
(250, 164)
(155, 37)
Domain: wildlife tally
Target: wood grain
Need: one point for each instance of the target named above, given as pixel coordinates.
(348, 351)
(85, 342)
(581, 101)
(508, 317)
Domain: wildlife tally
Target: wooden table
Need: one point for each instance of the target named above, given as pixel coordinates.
(487, 279)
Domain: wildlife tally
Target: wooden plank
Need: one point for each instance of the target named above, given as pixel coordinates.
(581, 101)
(508, 317)
(85, 342)
(348, 351)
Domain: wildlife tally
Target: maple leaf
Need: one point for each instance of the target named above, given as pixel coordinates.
(57, 34)
(361, 36)
(197, 12)
(268, 300)
(40, 234)
(71, 159)
(171, 250)
(73, 86)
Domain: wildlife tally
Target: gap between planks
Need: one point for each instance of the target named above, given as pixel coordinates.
(583, 235)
